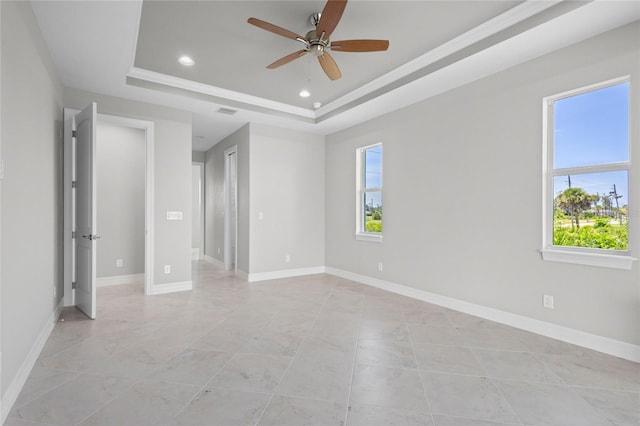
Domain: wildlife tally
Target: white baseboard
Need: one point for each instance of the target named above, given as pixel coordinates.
(120, 279)
(16, 385)
(587, 340)
(171, 287)
(285, 273)
(213, 260)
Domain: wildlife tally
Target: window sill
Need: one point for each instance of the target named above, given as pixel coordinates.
(369, 237)
(615, 261)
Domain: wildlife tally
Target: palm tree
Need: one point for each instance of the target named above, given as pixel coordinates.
(574, 201)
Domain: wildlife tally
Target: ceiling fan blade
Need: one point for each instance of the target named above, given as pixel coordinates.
(287, 59)
(360, 45)
(329, 66)
(330, 17)
(274, 29)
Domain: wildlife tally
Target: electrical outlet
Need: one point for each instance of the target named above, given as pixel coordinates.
(287, 258)
(218, 250)
(380, 266)
(167, 269)
(119, 263)
(55, 291)
(547, 301)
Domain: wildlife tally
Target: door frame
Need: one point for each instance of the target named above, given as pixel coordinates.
(69, 220)
(227, 208)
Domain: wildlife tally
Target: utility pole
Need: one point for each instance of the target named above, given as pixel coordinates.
(569, 177)
(616, 196)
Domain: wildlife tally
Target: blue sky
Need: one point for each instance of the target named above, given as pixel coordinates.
(593, 128)
(373, 173)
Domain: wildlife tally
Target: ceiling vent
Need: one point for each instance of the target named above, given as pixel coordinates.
(227, 111)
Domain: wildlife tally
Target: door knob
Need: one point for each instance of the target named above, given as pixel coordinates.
(91, 237)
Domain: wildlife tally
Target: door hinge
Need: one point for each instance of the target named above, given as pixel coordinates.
(74, 184)
(73, 234)
(74, 285)
(74, 133)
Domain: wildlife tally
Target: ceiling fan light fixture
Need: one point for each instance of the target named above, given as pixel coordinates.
(186, 61)
(304, 93)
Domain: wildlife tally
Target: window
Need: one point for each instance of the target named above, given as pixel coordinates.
(587, 168)
(369, 193)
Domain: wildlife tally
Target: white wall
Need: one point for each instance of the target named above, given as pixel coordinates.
(31, 203)
(287, 186)
(121, 161)
(197, 156)
(463, 194)
(172, 175)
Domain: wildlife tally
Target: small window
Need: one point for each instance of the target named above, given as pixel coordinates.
(587, 170)
(369, 193)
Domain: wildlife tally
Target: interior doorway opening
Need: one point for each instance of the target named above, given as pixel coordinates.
(230, 209)
(70, 173)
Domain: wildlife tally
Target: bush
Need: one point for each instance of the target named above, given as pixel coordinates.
(601, 222)
(373, 226)
(602, 236)
(376, 215)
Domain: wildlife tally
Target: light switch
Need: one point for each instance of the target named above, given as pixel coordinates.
(260, 215)
(174, 215)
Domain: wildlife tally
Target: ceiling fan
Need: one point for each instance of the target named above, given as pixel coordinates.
(317, 41)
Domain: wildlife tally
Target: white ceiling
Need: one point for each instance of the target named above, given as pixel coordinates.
(129, 49)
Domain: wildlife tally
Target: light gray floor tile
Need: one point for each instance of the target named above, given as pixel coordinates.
(620, 408)
(316, 322)
(595, 371)
(288, 411)
(276, 343)
(388, 387)
(521, 366)
(73, 401)
(369, 415)
(384, 330)
(447, 359)
(251, 372)
(441, 420)
(191, 366)
(543, 404)
(427, 334)
(146, 403)
(387, 353)
(499, 339)
(223, 407)
(466, 396)
(318, 378)
(40, 381)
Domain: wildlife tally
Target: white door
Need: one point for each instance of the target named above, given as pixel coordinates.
(86, 235)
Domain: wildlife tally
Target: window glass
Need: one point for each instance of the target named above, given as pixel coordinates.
(592, 128)
(591, 210)
(589, 179)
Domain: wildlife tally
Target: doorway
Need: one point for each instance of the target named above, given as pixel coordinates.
(197, 210)
(69, 204)
(120, 159)
(230, 209)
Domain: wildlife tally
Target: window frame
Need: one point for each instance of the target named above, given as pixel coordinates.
(361, 233)
(618, 259)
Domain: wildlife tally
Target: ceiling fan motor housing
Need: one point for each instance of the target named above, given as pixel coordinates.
(316, 45)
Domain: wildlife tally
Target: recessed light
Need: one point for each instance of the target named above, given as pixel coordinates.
(186, 61)
(317, 105)
(304, 93)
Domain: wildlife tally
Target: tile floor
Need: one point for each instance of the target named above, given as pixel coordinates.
(315, 350)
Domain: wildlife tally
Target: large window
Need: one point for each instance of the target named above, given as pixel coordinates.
(369, 193)
(587, 174)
